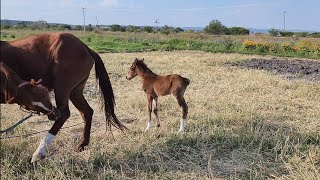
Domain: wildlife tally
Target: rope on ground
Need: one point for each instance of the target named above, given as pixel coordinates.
(17, 124)
(38, 132)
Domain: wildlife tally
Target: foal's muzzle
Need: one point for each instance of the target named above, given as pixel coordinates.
(128, 78)
(54, 114)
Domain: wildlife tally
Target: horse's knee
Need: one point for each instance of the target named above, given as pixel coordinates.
(65, 113)
(88, 114)
(155, 110)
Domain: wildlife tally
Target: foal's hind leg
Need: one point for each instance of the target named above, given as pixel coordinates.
(155, 110)
(85, 110)
(150, 99)
(183, 105)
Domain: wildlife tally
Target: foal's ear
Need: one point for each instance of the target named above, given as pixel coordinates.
(142, 59)
(136, 60)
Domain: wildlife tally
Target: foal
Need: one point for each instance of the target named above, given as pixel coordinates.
(155, 85)
(28, 95)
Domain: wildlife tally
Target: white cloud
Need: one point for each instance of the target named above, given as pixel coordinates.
(110, 3)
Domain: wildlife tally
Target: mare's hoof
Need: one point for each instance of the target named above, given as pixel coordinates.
(37, 156)
(158, 125)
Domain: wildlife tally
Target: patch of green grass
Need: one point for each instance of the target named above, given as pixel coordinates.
(139, 42)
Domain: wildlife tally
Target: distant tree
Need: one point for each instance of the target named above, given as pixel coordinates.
(20, 25)
(215, 27)
(131, 28)
(89, 28)
(274, 32)
(190, 31)
(315, 35)
(301, 34)
(166, 30)
(148, 29)
(77, 27)
(178, 30)
(238, 31)
(7, 26)
(286, 33)
(117, 27)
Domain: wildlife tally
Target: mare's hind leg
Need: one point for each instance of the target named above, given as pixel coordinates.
(150, 99)
(183, 105)
(155, 110)
(85, 110)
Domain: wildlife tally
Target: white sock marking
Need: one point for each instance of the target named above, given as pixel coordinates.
(41, 151)
(183, 124)
(148, 126)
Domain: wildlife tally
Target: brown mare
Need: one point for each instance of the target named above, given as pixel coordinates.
(63, 62)
(155, 85)
(28, 95)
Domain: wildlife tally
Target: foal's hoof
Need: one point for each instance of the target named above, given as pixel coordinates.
(158, 125)
(80, 148)
(37, 156)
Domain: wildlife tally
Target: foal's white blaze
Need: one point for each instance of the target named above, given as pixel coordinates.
(40, 105)
(183, 124)
(41, 151)
(148, 126)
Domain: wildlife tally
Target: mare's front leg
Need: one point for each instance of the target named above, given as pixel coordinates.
(62, 98)
(149, 96)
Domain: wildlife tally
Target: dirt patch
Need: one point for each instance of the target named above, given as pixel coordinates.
(289, 68)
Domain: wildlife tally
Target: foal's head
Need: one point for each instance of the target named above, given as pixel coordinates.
(29, 95)
(36, 98)
(137, 65)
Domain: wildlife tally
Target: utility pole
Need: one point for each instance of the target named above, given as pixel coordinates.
(284, 20)
(84, 19)
(157, 22)
(97, 22)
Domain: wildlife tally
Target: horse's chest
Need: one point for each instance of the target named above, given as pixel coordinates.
(147, 88)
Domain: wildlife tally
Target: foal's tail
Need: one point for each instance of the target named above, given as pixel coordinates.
(107, 92)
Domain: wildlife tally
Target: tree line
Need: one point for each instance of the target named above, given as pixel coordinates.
(215, 27)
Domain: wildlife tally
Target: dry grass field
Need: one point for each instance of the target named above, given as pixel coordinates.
(242, 124)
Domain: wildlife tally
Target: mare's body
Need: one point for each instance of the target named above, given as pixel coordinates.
(64, 63)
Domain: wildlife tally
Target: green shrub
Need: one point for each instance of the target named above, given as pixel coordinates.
(215, 27)
(238, 31)
(286, 33)
(117, 27)
(274, 32)
(148, 29)
(301, 34)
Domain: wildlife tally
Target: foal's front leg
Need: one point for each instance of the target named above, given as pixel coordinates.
(150, 99)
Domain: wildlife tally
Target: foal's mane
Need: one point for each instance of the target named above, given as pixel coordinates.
(143, 66)
(11, 84)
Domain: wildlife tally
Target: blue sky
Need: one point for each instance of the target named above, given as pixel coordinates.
(266, 14)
